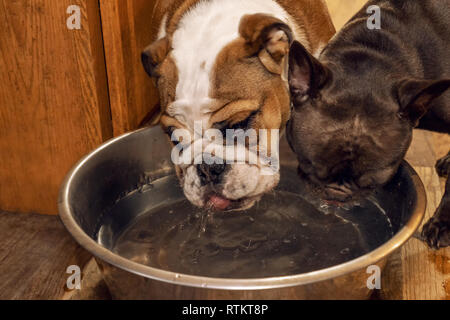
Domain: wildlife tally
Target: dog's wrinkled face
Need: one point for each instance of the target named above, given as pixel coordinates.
(349, 136)
(241, 86)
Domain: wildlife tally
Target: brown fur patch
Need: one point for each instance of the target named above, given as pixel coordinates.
(235, 111)
(154, 54)
(310, 15)
(167, 82)
(173, 10)
(237, 65)
(268, 37)
(313, 17)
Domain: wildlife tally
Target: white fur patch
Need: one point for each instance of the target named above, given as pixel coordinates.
(319, 50)
(162, 29)
(193, 189)
(244, 180)
(201, 35)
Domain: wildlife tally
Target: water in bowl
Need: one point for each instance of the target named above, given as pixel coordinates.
(282, 235)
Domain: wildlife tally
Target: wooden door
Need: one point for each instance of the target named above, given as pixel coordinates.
(54, 105)
(64, 92)
(128, 27)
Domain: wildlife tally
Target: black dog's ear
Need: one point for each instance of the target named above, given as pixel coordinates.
(306, 74)
(415, 97)
(153, 55)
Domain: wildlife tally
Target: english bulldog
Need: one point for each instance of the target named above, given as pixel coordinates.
(356, 106)
(222, 64)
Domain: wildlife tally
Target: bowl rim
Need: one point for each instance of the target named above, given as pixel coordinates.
(369, 259)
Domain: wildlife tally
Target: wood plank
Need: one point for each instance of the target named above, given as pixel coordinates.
(441, 147)
(424, 273)
(93, 287)
(127, 29)
(427, 270)
(441, 144)
(53, 99)
(35, 252)
(421, 153)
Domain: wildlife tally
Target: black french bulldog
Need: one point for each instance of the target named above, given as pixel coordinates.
(354, 111)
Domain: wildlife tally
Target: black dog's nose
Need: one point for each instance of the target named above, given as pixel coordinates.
(211, 172)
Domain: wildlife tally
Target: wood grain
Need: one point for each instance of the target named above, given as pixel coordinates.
(93, 287)
(426, 269)
(127, 30)
(422, 153)
(53, 98)
(424, 273)
(35, 252)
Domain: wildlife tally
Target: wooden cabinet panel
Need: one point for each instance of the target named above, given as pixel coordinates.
(128, 27)
(54, 104)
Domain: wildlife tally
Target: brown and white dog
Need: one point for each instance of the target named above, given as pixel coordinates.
(223, 63)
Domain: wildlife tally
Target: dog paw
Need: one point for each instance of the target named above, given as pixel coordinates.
(436, 233)
(443, 166)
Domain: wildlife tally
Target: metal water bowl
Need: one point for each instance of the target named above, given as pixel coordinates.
(95, 184)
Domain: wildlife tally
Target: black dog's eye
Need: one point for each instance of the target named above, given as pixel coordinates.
(297, 99)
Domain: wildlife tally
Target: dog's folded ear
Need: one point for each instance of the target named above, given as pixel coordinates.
(415, 97)
(153, 55)
(268, 37)
(306, 74)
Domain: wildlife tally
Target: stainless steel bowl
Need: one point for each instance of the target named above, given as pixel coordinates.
(95, 184)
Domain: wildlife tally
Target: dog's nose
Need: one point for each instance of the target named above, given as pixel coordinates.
(211, 172)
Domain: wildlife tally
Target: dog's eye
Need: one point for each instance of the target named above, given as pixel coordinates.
(243, 125)
(298, 99)
(246, 123)
(220, 125)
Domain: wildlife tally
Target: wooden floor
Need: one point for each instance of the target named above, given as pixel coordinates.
(415, 271)
(36, 250)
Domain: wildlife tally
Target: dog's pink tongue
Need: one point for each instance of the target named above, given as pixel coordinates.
(219, 203)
